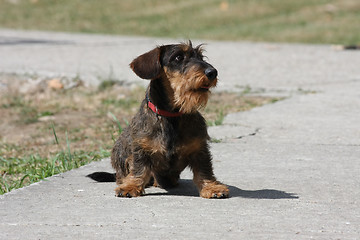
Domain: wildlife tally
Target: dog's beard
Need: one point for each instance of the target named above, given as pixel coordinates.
(190, 91)
(191, 100)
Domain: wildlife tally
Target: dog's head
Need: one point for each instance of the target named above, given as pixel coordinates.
(187, 77)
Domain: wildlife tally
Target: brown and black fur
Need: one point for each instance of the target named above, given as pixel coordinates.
(155, 149)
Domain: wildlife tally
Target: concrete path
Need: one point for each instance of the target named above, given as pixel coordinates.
(293, 167)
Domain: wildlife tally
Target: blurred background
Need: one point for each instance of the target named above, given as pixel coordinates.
(306, 21)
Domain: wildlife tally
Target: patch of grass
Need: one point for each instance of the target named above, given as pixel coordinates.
(117, 122)
(106, 84)
(123, 103)
(309, 21)
(247, 90)
(218, 120)
(215, 140)
(28, 115)
(28, 112)
(18, 172)
(54, 132)
(13, 101)
(304, 91)
(45, 113)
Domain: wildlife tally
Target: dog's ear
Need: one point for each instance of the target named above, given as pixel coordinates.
(147, 66)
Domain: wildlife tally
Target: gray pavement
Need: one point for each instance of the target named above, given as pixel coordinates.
(292, 167)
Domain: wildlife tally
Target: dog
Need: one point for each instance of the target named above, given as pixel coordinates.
(168, 133)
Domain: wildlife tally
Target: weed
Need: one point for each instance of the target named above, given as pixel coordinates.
(68, 146)
(247, 90)
(28, 114)
(304, 91)
(13, 101)
(117, 122)
(218, 121)
(45, 113)
(215, 140)
(107, 84)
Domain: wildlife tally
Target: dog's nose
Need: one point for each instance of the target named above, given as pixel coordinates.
(211, 73)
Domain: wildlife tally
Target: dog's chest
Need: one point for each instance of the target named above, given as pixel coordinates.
(184, 140)
(172, 147)
(189, 147)
(174, 140)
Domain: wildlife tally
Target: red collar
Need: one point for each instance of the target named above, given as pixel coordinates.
(162, 112)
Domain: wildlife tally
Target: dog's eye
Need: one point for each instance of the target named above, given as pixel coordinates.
(179, 58)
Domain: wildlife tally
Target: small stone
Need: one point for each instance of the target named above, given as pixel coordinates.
(55, 83)
(46, 118)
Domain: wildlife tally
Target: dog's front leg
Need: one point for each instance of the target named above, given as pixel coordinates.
(204, 177)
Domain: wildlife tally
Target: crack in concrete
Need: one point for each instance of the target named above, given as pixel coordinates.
(257, 130)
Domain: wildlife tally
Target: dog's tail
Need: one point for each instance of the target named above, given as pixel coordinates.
(102, 176)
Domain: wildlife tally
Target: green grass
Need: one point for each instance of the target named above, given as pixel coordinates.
(116, 120)
(218, 120)
(308, 21)
(22, 171)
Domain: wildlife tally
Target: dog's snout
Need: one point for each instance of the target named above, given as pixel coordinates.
(211, 73)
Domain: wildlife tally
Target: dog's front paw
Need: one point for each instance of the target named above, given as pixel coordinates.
(128, 191)
(214, 190)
